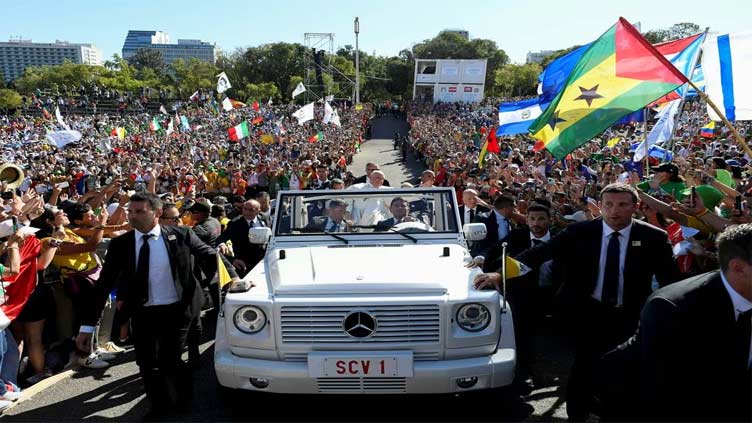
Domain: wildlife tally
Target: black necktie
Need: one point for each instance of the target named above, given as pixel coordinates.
(472, 216)
(610, 295)
(537, 242)
(744, 332)
(142, 268)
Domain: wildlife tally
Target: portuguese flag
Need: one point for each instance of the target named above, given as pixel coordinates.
(491, 145)
(619, 73)
(317, 137)
(239, 132)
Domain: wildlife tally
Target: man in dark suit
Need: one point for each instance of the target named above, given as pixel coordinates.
(694, 341)
(470, 210)
(247, 255)
(370, 167)
(523, 292)
(498, 223)
(607, 267)
(152, 267)
(334, 222)
(399, 209)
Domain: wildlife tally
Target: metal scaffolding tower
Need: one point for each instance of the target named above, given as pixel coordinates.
(320, 42)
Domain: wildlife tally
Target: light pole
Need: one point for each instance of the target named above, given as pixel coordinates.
(357, 62)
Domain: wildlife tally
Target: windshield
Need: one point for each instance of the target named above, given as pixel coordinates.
(365, 211)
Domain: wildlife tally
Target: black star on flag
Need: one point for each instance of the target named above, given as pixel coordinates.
(589, 95)
(554, 120)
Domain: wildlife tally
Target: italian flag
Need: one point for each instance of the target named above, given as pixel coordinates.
(154, 125)
(318, 137)
(239, 132)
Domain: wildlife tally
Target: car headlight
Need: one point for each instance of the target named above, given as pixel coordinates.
(249, 319)
(473, 317)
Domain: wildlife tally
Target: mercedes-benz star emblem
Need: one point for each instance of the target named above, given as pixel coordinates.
(359, 324)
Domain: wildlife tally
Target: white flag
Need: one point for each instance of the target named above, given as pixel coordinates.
(227, 104)
(170, 128)
(727, 64)
(300, 89)
(328, 111)
(62, 138)
(304, 114)
(194, 96)
(59, 118)
(105, 145)
(329, 98)
(335, 118)
(269, 102)
(223, 83)
(662, 130)
(162, 109)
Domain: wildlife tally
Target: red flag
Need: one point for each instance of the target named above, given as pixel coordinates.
(46, 114)
(255, 105)
(20, 288)
(493, 143)
(257, 120)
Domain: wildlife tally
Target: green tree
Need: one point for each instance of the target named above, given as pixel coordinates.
(194, 75)
(148, 58)
(555, 55)
(9, 100)
(516, 80)
(675, 32)
(261, 92)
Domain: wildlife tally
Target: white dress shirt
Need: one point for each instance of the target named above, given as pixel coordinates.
(255, 223)
(741, 305)
(162, 289)
(466, 217)
(503, 228)
(623, 244)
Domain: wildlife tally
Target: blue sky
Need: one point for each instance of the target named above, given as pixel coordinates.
(386, 27)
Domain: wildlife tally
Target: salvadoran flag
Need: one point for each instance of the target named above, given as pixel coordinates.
(516, 117)
(727, 65)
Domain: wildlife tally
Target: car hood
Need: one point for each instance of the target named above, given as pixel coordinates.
(373, 269)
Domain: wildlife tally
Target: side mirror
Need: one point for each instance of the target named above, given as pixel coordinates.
(259, 236)
(474, 231)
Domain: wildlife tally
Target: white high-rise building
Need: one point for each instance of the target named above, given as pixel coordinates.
(18, 54)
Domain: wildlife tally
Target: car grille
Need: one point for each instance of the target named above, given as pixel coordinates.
(361, 385)
(302, 357)
(396, 324)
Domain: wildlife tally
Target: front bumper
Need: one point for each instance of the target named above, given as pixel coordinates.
(430, 377)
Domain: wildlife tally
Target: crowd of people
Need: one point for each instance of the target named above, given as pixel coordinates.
(67, 203)
(681, 213)
(181, 168)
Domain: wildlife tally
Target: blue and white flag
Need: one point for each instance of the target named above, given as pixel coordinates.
(662, 130)
(62, 138)
(655, 151)
(184, 123)
(727, 65)
(516, 117)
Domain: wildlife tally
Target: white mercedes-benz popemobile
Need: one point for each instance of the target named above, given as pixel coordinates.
(373, 303)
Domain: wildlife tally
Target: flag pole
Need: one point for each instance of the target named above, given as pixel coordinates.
(645, 141)
(726, 122)
(684, 92)
(504, 277)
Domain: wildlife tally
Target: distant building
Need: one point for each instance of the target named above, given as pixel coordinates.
(538, 57)
(461, 32)
(18, 54)
(160, 41)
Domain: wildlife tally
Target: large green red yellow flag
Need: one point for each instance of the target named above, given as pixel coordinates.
(619, 74)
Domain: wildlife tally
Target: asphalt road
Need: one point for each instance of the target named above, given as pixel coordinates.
(116, 393)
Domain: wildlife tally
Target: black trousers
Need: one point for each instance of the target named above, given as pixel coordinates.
(159, 338)
(598, 330)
